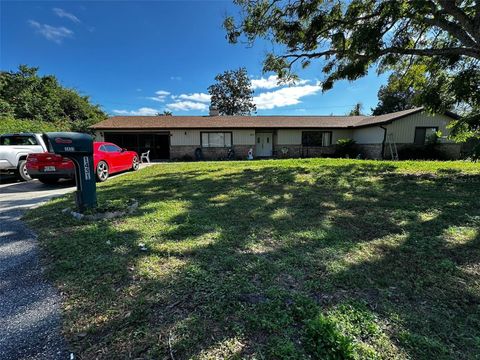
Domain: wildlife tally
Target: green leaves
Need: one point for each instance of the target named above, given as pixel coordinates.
(26, 95)
(232, 94)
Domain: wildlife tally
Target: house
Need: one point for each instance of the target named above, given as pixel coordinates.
(177, 137)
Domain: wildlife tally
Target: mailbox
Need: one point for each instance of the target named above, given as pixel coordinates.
(78, 148)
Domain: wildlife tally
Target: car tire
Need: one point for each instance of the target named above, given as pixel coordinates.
(48, 181)
(135, 163)
(22, 172)
(102, 171)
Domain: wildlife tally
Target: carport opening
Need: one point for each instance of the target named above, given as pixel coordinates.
(158, 144)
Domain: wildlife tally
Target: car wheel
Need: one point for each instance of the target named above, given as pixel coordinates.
(22, 171)
(102, 171)
(48, 181)
(135, 163)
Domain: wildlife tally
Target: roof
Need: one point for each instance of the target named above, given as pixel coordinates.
(243, 122)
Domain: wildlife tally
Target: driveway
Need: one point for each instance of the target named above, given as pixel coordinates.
(30, 319)
(29, 305)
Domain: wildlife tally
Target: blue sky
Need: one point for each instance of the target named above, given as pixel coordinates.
(146, 56)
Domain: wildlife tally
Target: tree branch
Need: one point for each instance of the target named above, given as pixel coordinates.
(457, 13)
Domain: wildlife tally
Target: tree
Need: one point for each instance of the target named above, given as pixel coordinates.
(403, 90)
(351, 36)
(26, 95)
(164, 113)
(233, 93)
(357, 110)
(392, 100)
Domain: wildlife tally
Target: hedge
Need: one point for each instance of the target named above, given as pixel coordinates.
(11, 125)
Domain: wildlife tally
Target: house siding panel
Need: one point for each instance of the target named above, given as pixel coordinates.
(403, 130)
(369, 135)
(294, 137)
(185, 137)
(190, 137)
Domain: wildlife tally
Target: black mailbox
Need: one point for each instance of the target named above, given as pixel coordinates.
(79, 148)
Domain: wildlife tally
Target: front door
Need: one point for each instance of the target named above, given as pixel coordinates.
(263, 147)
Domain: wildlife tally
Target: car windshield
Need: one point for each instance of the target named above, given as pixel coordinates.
(18, 140)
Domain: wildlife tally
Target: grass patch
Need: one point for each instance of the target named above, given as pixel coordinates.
(285, 259)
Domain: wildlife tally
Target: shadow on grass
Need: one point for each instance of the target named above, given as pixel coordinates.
(239, 258)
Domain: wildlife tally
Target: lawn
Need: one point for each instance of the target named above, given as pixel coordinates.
(285, 259)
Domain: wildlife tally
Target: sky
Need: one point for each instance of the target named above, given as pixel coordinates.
(144, 57)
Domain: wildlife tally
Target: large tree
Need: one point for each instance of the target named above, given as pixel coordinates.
(351, 36)
(26, 95)
(232, 94)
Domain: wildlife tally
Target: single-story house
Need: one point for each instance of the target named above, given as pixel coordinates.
(177, 137)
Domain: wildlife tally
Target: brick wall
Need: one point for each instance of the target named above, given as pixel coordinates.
(299, 151)
(181, 152)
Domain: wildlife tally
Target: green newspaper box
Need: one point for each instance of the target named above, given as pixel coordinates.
(78, 148)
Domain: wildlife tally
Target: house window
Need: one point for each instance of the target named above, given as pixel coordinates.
(316, 138)
(422, 134)
(216, 139)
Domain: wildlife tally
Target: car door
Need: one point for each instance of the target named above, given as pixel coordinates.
(116, 157)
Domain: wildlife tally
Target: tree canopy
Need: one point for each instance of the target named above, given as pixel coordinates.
(356, 110)
(26, 95)
(232, 94)
(442, 36)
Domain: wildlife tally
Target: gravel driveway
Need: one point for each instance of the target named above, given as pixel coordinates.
(29, 305)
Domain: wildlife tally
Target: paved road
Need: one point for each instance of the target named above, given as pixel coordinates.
(29, 305)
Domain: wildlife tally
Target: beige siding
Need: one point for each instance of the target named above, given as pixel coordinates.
(369, 135)
(185, 137)
(192, 137)
(244, 137)
(289, 137)
(403, 130)
(341, 134)
(294, 137)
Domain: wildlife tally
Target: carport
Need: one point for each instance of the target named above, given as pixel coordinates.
(157, 143)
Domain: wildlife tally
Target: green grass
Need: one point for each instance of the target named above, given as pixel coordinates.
(286, 259)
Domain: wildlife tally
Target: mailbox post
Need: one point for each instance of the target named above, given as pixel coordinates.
(78, 148)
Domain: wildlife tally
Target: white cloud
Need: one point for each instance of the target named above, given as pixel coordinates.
(285, 96)
(200, 97)
(177, 78)
(144, 111)
(161, 95)
(52, 33)
(187, 106)
(63, 14)
(272, 82)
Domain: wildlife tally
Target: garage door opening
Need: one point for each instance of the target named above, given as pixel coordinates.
(158, 144)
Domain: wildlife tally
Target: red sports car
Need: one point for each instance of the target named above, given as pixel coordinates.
(108, 159)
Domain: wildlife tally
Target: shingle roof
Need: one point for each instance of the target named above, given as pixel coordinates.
(237, 122)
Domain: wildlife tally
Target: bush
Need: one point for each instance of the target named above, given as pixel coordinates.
(323, 340)
(11, 125)
(345, 148)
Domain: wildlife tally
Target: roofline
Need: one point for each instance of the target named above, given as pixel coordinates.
(386, 122)
(389, 121)
(226, 127)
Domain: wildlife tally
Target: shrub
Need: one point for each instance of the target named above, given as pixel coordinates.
(323, 340)
(11, 125)
(345, 148)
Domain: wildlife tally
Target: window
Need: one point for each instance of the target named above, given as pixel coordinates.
(316, 138)
(216, 139)
(18, 140)
(112, 148)
(423, 134)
